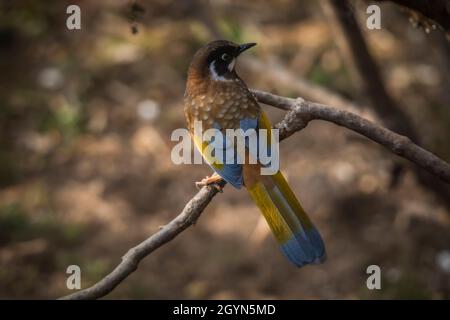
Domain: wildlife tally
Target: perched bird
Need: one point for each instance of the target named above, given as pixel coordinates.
(218, 98)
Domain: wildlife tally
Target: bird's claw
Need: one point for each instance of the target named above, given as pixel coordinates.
(210, 181)
(199, 184)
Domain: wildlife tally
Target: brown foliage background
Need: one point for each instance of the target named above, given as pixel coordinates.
(85, 170)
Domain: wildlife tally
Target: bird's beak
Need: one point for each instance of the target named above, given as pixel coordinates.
(245, 46)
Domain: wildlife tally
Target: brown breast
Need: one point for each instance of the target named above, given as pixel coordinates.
(224, 102)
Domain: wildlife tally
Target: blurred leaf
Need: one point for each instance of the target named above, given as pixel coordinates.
(232, 30)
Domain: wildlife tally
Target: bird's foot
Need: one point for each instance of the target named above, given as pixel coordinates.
(213, 180)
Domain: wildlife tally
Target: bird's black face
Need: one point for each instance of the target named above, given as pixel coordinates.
(221, 61)
(218, 58)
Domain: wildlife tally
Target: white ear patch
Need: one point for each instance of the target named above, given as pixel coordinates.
(214, 75)
(231, 65)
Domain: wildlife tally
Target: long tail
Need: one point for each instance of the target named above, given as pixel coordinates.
(298, 238)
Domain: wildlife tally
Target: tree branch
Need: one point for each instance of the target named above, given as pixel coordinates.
(278, 73)
(300, 112)
(354, 48)
(133, 257)
(350, 41)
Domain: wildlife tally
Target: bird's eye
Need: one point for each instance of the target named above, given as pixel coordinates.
(226, 57)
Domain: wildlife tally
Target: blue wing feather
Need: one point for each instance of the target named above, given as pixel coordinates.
(231, 171)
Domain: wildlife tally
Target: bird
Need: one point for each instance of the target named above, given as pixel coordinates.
(218, 98)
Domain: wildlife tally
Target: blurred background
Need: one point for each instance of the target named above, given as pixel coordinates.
(85, 170)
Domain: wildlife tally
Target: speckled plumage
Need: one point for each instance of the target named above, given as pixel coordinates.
(216, 96)
(223, 102)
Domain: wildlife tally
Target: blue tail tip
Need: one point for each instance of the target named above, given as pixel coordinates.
(305, 247)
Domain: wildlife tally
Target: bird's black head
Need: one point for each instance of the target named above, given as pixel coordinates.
(217, 59)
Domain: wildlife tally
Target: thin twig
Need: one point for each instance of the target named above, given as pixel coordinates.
(300, 112)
